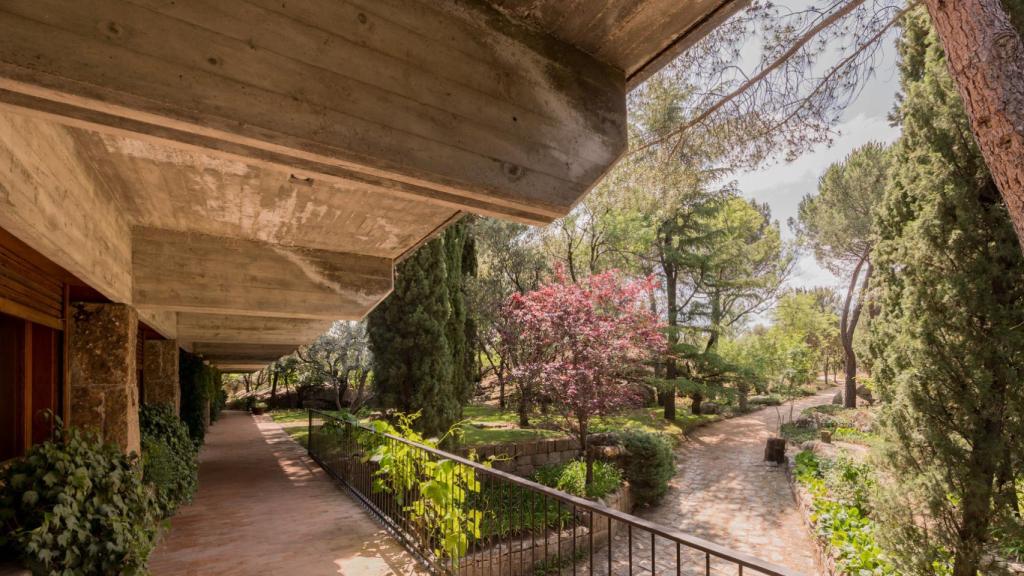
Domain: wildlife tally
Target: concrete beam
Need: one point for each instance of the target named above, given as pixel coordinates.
(50, 201)
(242, 353)
(254, 329)
(213, 275)
(240, 368)
(452, 102)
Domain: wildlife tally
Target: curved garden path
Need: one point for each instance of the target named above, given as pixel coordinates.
(723, 491)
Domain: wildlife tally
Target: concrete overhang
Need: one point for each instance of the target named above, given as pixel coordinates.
(245, 172)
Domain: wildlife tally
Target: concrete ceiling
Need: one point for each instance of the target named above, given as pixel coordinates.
(245, 172)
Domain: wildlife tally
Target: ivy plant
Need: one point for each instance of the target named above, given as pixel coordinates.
(74, 506)
(168, 456)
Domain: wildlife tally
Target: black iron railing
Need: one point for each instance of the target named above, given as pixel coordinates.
(495, 523)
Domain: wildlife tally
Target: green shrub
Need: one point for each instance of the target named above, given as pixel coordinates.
(841, 512)
(75, 506)
(168, 457)
(220, 400)
(648, 465)
(572, 476)
(193, 395)
(198, 386)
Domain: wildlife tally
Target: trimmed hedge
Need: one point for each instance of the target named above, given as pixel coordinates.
(649, 465)
(76, 506)
(168, 457)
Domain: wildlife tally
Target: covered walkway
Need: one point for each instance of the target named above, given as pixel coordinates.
(263, 507)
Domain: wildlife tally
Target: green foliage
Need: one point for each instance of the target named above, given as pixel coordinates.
(220, 401)
(839, 491)
(198, 386)
(409, 334)
(571, 478)
(948, 346)
(460, 329)
(648, 466)
(168, 457)
(73, 506)
(441, 508)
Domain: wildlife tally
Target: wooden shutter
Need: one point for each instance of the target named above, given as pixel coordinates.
(28, 290)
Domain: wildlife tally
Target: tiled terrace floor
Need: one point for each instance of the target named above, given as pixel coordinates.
(264, 508)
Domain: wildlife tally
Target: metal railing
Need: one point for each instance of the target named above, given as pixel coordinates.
(505, 525)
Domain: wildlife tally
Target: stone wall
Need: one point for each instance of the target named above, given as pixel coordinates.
(102, 367)
(524, 458)
(161, 384)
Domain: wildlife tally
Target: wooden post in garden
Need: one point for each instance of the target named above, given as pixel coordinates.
(775, 450)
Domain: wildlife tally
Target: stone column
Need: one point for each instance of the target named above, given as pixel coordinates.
(103, 381)
(160, 383)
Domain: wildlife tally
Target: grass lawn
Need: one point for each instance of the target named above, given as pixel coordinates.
(298, 414)
(647, 419)
(300, 435)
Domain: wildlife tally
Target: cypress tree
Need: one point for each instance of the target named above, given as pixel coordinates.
(948, 345)
(421, 335)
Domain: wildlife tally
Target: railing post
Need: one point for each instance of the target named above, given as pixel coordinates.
(309, 433)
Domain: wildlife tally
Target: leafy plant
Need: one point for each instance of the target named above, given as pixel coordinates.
(441, 488)
(841, 512)
(571, 478)
(196, 390)
(649, 465)
(168, 457)
(76, 506)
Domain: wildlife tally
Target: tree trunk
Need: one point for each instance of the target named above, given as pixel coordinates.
(696, 398)
(588, 458)
(667, 397)
(524, 411)
(847, 326)
(1006, 488)
(986, 59)
(273, 389)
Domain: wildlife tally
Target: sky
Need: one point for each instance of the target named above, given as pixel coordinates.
(782, 185)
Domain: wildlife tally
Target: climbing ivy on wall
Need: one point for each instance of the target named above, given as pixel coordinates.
(198, 386)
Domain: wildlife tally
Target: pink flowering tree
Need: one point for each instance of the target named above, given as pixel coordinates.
(585, 345)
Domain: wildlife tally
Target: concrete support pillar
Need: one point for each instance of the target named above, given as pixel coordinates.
(160, 382)
(103, 378)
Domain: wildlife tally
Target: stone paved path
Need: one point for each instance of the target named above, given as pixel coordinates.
(724, 492)
(264, 508)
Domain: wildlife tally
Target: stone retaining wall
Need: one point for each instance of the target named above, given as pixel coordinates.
(524, 458)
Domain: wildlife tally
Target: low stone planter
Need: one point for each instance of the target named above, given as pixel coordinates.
(523, 556)
(823, 558)
(524, 458)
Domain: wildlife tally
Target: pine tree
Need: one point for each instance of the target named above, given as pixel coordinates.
(948, 344)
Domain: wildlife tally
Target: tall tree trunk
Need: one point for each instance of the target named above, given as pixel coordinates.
(847, 326)
(667, 396)
(273, 389)
(715, 321)
(983, 46)
(588, 458)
